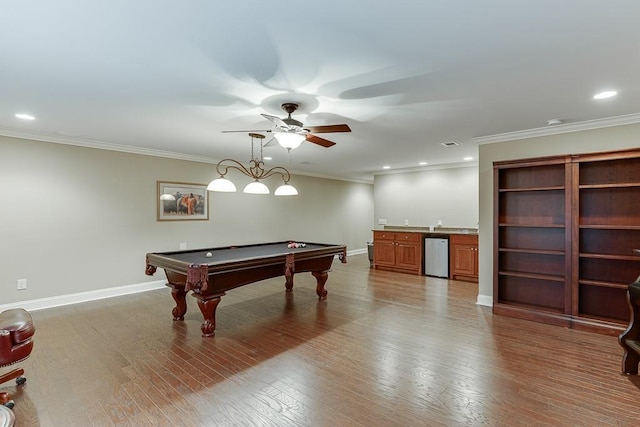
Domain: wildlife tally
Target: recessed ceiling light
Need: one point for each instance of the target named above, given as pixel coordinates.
(468, 158)
(268, 158)
(605, 94)
(422, 163)
(386, 167)
(24, 116)
(553, 122)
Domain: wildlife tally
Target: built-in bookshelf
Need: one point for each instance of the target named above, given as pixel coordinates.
(531, 250)
(607, 226)
(565, 229)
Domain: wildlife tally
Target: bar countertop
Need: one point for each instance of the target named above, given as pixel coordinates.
(443, 232)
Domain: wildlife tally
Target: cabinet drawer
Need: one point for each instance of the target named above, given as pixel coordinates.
(469, 239)
(383, 235)
(408, 237)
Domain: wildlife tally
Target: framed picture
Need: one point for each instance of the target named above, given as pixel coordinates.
(180, 201)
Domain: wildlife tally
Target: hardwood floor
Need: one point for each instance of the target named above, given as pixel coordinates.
(385, 349)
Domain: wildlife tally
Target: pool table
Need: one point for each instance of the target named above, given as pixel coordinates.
(209, 273)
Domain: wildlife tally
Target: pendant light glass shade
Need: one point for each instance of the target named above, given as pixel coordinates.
(222, 185)
(286, 190)
(256, 187)
(289, 140)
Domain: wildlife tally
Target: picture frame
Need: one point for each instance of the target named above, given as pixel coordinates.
(182, 201)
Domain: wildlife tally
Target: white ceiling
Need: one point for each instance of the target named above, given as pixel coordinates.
(170, 75)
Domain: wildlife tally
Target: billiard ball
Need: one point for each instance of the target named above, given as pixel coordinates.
(209, 254)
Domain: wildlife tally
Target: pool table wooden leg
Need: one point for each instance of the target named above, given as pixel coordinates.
(289, 268)
(208, 308)
(321, 279)
(288, 283)
(178, 293)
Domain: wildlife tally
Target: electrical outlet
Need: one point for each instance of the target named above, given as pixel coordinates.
(406, 222)
(183, 246)
(22, 284)
(382, 221)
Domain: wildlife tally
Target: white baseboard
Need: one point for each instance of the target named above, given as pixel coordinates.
(486, 300)
(357, 251)
(58, 301)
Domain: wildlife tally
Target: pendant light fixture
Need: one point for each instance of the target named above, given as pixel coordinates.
(256, 171)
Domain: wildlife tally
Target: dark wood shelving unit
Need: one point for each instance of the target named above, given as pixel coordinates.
(565, 230)
(530, 253)
(607, 228)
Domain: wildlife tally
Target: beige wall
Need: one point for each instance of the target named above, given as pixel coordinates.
(424, 197)
(605, 139)
(78, 219)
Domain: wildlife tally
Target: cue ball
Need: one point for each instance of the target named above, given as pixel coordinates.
(209, 254)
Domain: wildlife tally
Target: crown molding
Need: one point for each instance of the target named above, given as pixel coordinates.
(559, 129)
(90, 143)
(100, 145)
(458, 165)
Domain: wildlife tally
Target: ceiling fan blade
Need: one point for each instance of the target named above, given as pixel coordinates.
(275, 120)
(320, 141)
(329, 128)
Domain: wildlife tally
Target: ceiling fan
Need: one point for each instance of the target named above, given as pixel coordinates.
(290, 133)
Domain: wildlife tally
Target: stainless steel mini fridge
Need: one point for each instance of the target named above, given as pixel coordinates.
(436, 257)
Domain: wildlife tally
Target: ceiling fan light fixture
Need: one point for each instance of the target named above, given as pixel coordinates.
(286, 190)
(289, 140)
(256, 187)
(221, 185)
(290, 133)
